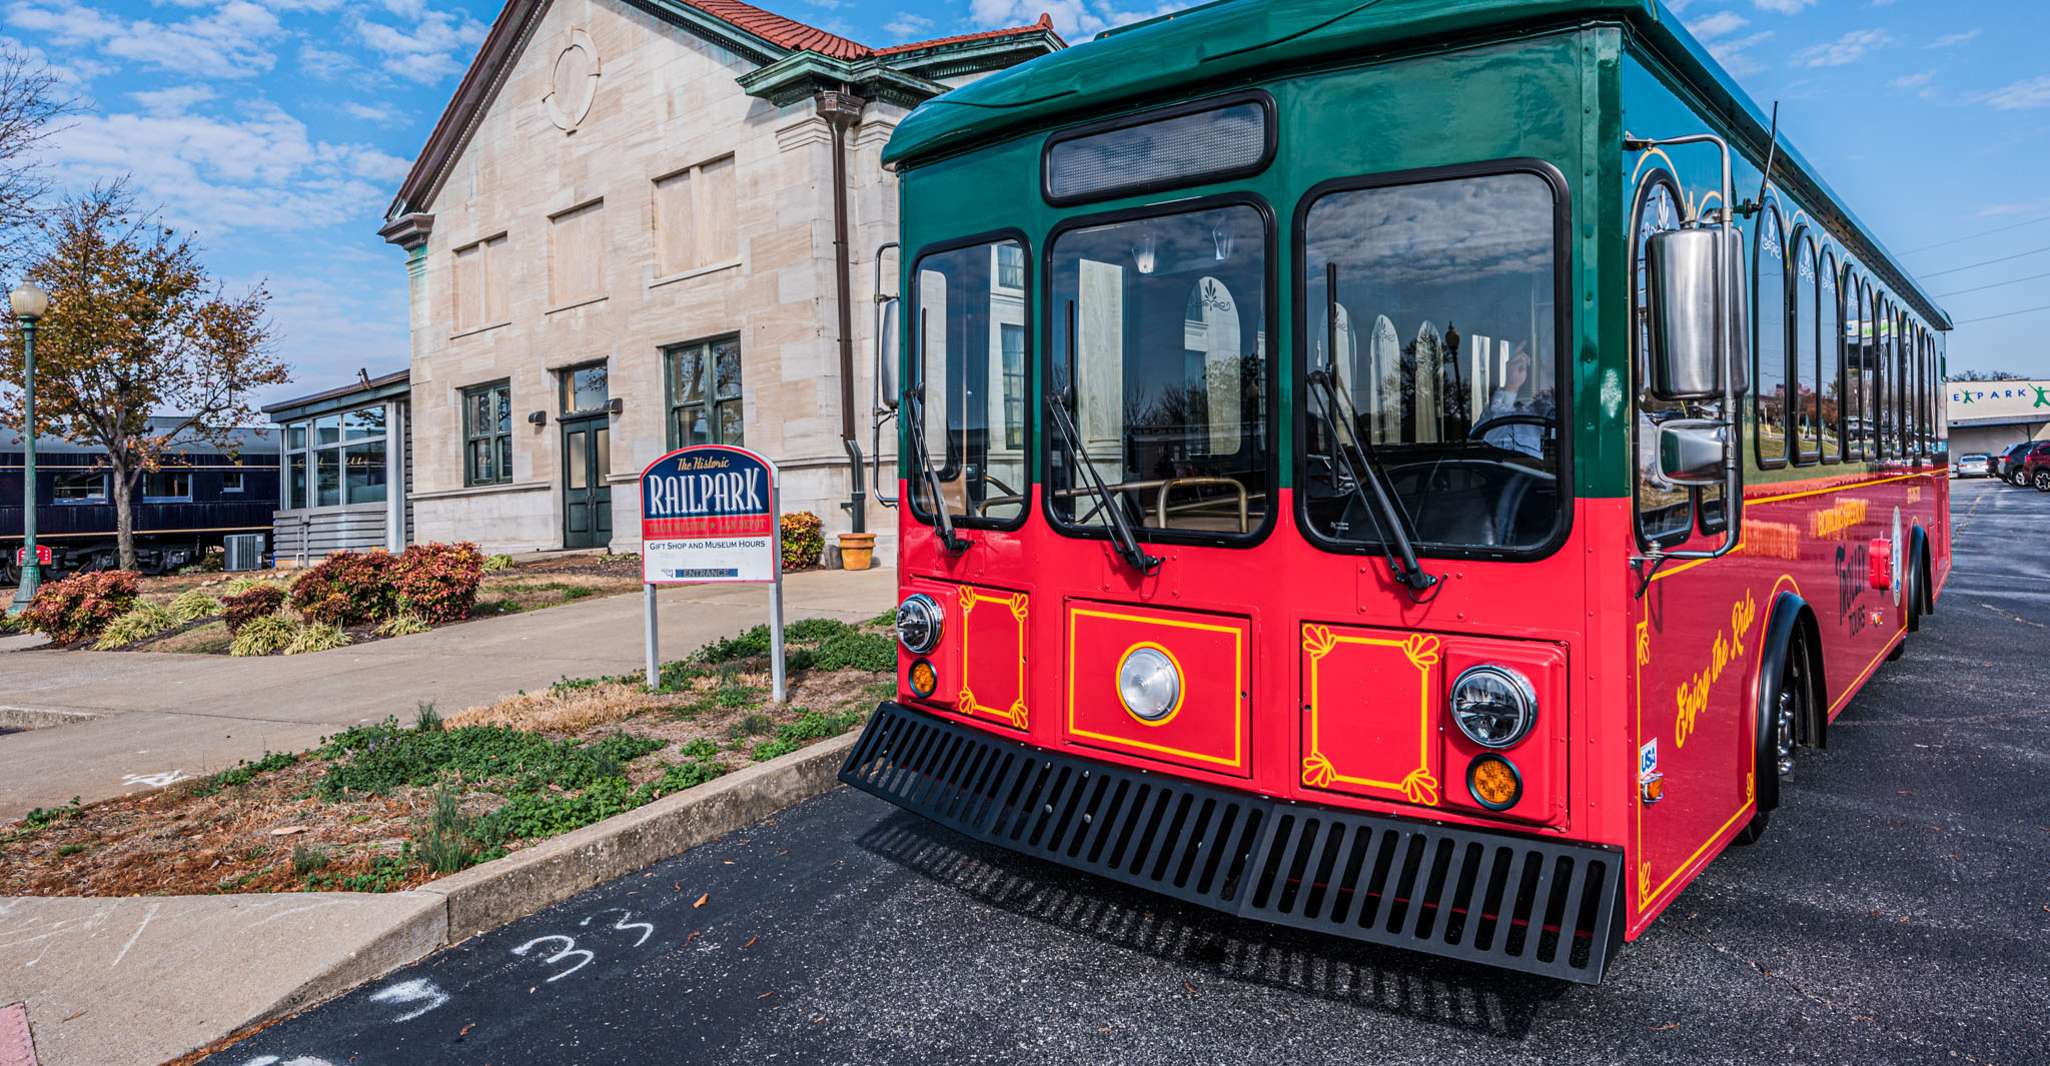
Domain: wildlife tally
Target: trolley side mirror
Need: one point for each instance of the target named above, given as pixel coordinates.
(1691, 451)
(1688, 274)
(887, 389)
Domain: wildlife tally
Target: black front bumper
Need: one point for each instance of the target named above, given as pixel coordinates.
(1520, 903)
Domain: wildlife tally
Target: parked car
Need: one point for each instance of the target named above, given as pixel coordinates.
(1973, 464)
(2009, 463)
(2035, 466)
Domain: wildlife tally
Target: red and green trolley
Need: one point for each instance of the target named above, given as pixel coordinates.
(1416, 471)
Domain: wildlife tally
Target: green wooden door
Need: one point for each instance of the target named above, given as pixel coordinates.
(586, 498)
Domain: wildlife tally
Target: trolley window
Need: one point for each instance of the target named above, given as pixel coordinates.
(968, 325)
(1772, 407)
(1159, 341)
(1443, 360)
(1830, 333)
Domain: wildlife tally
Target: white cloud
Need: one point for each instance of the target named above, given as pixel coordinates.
(1913, 81)
(254, 169)
(323, 63)
(172, 101)
(1784, 7)
(2023, 95)
(1720, 24)
(369, 112)
(907, 24)
(430, 45)
(1843, 51)
(232, 41)
(1075, 20)
(1952, 40)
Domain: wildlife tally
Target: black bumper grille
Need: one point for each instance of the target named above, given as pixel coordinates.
(1520, 903)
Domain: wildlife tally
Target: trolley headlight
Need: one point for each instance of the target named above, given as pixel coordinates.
(1494, 706)
(920, 623)
(1149, 684)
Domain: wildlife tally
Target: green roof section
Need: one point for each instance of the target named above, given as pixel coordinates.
(1230, 43)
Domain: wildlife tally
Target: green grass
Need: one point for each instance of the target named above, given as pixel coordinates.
(244, 772)
(809, 725)
(377, 759)
(71, 849)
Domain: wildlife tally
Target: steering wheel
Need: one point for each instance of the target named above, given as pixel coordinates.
(1488, 425)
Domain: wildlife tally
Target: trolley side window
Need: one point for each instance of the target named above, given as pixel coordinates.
(968, 335)
(1159, 325)
(1446, 368)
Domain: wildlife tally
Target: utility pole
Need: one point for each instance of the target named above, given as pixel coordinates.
(29, 304)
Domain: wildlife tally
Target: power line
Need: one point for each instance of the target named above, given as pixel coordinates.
(1984, 262)
(1995, 285)
(1976, 236)
(2006, 314)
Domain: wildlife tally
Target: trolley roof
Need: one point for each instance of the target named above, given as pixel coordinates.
(1228, 41)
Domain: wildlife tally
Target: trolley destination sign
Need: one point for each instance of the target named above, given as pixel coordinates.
(708, 514)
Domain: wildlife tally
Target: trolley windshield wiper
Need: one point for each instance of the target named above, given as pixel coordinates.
(1121, 535)
(1364, 475)
(941, 521)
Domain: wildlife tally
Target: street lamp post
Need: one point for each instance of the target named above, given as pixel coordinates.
(28, 303)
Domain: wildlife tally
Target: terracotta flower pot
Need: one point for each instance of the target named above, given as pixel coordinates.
(857, 550)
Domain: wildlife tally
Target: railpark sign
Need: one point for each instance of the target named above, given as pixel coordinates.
(709, 516)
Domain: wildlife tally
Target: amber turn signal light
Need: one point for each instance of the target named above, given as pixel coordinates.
(924, 679)
(1494, 782)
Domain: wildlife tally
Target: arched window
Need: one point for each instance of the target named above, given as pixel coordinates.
(1770, 391)
(1897, 350)
(1830, 377)
(1804, 386)
(1875, 347)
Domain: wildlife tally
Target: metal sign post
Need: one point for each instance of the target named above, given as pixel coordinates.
(712, 515)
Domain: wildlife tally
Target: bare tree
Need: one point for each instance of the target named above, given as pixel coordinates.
(30, 103)
(1988, 375)
(136, 327)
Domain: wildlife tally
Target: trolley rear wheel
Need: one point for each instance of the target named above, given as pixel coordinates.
(1781, 719)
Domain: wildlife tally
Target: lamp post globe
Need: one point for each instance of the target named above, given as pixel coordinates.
(29, 304)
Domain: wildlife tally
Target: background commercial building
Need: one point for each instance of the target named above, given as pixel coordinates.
(643, 225)
(1987, 416)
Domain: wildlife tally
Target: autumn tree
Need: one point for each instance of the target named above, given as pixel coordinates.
(136, 328)
(30, 104)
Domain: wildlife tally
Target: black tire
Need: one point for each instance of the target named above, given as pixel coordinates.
(1783, 721)
(2020, 479)
(2042, 480)
(1914, 593)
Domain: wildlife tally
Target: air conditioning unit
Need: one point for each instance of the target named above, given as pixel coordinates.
(245, 551)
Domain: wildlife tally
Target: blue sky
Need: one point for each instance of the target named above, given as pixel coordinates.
(279, 131)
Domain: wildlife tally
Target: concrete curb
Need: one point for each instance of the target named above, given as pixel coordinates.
(490, 895)
(38, 718)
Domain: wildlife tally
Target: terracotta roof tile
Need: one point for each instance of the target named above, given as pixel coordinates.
(797, 36)
(1045, 23)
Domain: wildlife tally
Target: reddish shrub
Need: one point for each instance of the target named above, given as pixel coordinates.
(347, 589)
(77, 608)
(247, 606)
(437, 583)
(804, 540)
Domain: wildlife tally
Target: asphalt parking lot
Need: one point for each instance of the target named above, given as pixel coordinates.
(1898, 912)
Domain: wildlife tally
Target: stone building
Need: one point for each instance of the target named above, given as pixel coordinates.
(621, 238)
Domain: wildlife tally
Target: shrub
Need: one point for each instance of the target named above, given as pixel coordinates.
(268, 635)
(193, 605)
(142, 621)
(240, 585)
(402, 625)
(816, 629)
(862, 651)
(320, 636)
(498, 562)
(259, 600)
(426, 719)
(804, 540)
(77, 608)
(306, 858)
(347, 589)
(438, 582)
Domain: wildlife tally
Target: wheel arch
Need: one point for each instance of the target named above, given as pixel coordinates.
(1790, 617)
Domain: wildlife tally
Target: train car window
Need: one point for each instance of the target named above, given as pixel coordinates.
(968, 333)
(71, 486)
(1804, 419)
(1830, 375)
(1771, 392)
(1446, 362)
(232, 481)
(167, 486)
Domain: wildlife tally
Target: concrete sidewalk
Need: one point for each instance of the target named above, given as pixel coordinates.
(161, 718)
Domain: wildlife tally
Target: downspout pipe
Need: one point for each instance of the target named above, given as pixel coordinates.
(842, 111)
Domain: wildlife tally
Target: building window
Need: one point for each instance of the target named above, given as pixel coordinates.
(576, 255)
(479, 284)
(694, 218)
(1010, 265)
(585, 389)
(704, 393)
(232, 481)
(487, 434)
(332, 460)
(79, 487)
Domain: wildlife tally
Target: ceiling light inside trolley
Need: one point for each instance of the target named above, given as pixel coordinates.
(1494, 706)
(920, 623)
